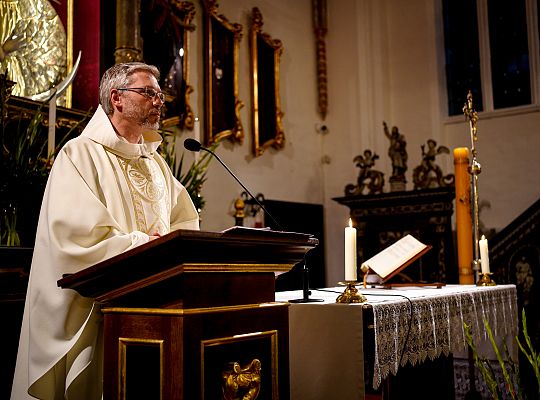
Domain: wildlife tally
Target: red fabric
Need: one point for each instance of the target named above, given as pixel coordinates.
(86, 38)
(86, 26)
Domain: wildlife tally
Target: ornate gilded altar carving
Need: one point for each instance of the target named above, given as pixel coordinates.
(242, 383)
(33, 47)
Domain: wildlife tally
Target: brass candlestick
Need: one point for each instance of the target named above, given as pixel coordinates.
(485, 280)
(474, 169)
(351, 293)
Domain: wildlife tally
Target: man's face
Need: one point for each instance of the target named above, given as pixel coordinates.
(137, 106)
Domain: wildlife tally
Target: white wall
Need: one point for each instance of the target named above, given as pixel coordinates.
(293, 173)
(385, 63)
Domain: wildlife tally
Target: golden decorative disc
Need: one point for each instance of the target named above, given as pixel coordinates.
(39, 62)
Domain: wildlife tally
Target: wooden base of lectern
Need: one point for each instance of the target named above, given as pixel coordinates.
(192, 315)
(190, 354)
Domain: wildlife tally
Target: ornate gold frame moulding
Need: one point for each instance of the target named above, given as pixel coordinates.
(266, 114)
(221, 102)
(129, 47)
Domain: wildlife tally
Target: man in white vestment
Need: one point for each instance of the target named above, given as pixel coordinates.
(108, 191)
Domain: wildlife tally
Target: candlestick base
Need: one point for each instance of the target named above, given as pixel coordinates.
(350, 294)
(485, 280)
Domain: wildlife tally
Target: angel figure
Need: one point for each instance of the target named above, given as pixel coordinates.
(428, 174)
(368, 179)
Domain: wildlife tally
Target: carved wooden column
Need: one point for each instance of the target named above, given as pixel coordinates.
(128, 32)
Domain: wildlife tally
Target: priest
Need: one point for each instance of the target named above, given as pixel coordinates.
(108, 191)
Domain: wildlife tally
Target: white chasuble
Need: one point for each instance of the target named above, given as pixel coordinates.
(104, 196)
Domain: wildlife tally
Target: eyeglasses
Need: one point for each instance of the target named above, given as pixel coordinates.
(146, 92)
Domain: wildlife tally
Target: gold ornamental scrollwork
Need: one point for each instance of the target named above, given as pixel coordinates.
(320, 29)
(242, 383)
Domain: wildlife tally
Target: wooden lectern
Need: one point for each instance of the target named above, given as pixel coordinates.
(192, 315)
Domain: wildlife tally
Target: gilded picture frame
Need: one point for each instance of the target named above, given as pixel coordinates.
(165, 32)
(266, 113)
(222, 103)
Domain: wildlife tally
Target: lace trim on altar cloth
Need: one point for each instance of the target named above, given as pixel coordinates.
(436, 324)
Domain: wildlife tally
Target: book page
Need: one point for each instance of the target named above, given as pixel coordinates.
(394, 256)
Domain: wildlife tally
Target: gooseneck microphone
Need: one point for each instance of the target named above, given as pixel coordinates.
(194, 145)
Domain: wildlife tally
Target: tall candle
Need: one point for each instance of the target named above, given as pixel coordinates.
(196, 135)
(463, 215)
(350, 252)
(484, 254)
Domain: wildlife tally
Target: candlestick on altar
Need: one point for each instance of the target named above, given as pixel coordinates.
(350, 252)
(350, 294)
(474, 170)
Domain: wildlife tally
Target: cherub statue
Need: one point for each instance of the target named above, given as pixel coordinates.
(428, 174)
(369, 180)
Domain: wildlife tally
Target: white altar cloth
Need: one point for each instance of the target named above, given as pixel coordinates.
(436, 328)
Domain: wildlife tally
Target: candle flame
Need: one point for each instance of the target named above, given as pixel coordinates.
(350, 223)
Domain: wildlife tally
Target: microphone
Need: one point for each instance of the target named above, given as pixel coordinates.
(194, 145)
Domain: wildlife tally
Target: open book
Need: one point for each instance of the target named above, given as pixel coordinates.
(394, 258)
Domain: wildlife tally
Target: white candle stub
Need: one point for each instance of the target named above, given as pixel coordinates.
(484, 254)
(350, 252)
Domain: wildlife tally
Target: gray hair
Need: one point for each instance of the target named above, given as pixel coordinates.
(118, 76)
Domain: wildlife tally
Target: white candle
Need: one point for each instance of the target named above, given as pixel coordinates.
(196, 135)
(350, 252)
(484, 254)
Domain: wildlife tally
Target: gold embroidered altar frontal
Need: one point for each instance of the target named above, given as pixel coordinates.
(411, 325)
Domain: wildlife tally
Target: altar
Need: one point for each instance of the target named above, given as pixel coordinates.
(339, 350)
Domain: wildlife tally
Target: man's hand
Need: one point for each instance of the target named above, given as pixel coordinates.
(155, 236)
